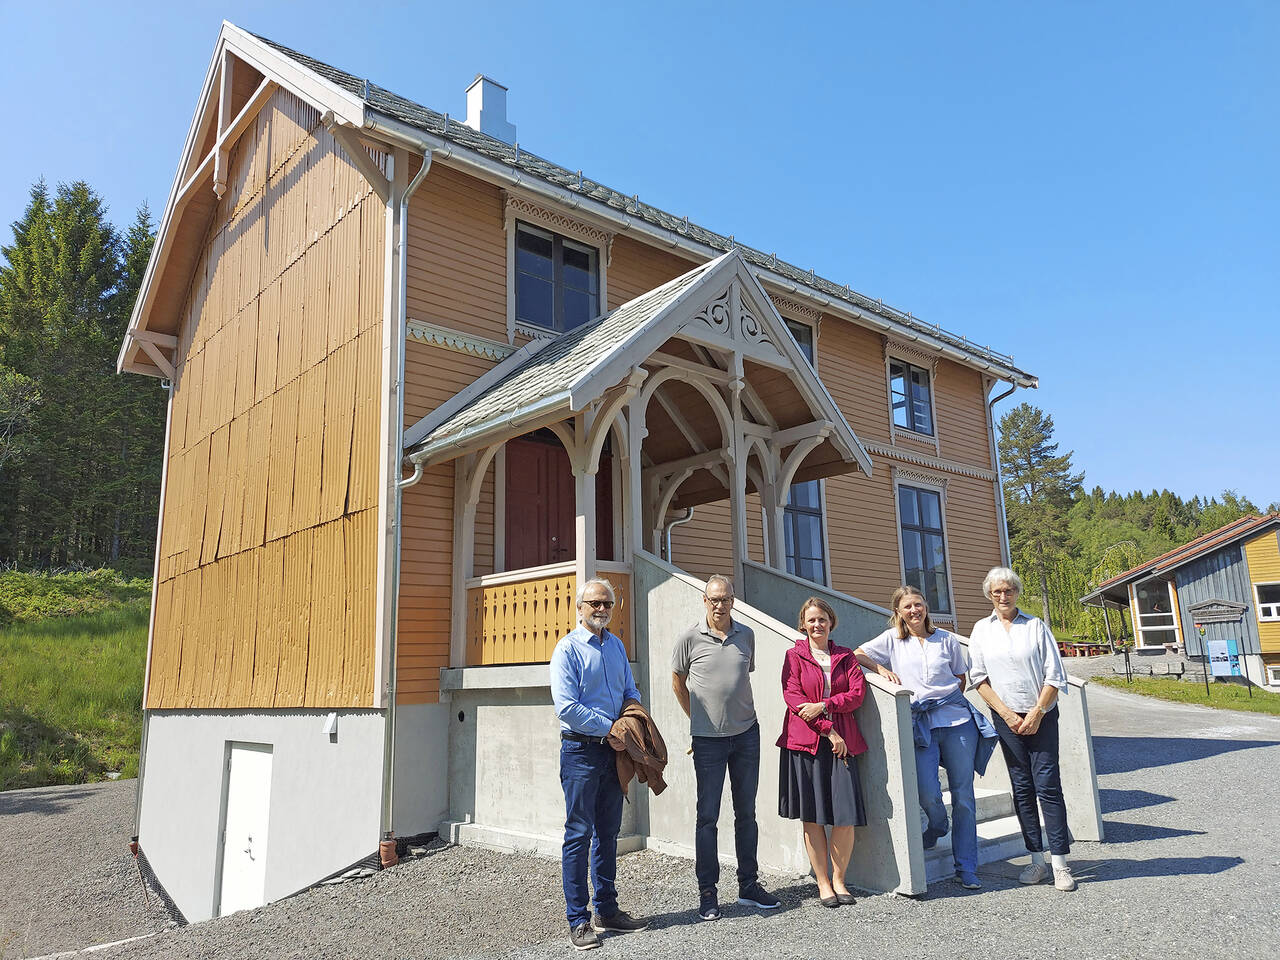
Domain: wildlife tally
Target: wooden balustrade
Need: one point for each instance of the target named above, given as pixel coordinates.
(518, 617)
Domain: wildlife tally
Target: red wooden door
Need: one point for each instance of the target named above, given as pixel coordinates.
(540, 505)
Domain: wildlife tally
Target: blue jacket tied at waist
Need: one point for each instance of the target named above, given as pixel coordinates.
(922, 732)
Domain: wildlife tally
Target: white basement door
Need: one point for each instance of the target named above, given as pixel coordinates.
(244, 841)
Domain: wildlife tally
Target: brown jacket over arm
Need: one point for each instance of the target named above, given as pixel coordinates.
(642, 753)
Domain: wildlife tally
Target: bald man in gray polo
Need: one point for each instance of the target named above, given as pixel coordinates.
(711, 664)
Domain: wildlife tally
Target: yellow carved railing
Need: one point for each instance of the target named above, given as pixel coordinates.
(518, 617)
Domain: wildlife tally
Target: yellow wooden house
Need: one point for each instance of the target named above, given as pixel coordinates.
(423, 381)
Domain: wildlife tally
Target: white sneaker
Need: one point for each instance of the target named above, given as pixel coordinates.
(1062, 878)
(1034, 873)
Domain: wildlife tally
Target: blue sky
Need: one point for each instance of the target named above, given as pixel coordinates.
(1088, 186)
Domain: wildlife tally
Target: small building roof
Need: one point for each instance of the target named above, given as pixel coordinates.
(1224, 536)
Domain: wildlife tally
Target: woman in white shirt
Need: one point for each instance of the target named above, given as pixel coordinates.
(1016, 669)
(914, 653)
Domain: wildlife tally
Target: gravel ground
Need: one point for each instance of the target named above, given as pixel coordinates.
(1190, 869)
(69, 879)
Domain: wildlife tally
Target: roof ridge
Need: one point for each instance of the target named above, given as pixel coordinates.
(442, 125)
(1192, 546)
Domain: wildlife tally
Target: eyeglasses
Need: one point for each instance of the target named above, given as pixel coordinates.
(599, 604)
(1003, 591)
(717, 601)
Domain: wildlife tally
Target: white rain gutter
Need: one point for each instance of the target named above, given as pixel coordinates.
(393, 575)
(498, 172)
(1005, 553)
(671, 525)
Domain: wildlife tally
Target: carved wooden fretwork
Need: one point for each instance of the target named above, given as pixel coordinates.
(932, 480)
(932, 463)
(518, 208)
(907, 351)
(715, 315)
(794, 308)
(425, 332)
(749, 326)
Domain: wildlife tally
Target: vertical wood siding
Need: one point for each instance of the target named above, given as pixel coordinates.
(268, 546)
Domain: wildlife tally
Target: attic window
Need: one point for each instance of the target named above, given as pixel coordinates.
(557, 280)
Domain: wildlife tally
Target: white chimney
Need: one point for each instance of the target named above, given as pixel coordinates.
(487, 109)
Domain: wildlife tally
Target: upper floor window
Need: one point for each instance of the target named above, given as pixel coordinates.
(802, 333)
(557, 280)
(924, 548)
(910, 395)
(1268, 600)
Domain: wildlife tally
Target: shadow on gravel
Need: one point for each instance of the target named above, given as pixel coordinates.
(1126, 754)
(1120, 832)
(1119, 869)
(1113, 801)
(41, 800)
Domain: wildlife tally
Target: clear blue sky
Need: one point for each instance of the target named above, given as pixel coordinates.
(1090, 186)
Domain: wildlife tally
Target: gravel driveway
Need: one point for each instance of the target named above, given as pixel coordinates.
(1191, 868)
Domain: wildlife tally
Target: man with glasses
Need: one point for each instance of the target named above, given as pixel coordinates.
(710, 674)
(590, 682)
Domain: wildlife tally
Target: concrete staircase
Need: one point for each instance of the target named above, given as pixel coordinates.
(999, 835)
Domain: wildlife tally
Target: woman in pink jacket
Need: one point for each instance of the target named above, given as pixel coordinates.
(818, 783)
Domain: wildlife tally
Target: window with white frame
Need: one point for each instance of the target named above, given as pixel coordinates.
(1268, 596)
(911, 397)
(924, 545)
(802, 522)
(557, 280)
(1273, 673)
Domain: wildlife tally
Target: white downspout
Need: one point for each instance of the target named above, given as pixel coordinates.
(1005, 554)
(393, 579)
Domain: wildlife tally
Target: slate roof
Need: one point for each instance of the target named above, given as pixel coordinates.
(568, 359)
(1213, 540)
(392, 105)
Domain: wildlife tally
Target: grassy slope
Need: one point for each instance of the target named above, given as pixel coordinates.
(71, 686)
(1226, 696)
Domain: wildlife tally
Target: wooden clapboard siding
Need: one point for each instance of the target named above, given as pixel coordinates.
(426, 584)
(702, 546)
(268, 546)
(456, 267)
(851, 364)
(961, 404)
(1263, 557)
(636, 268)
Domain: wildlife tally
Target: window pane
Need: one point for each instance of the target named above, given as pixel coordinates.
(912, 558)
(1153, 597)
(930, 510)
(533, 252)
(940, 601)
(579, 307)
(805, 494)
(808, 536)
(580, 266)
(533, 300)
(1267, 592)
(923, 420)
(804, 338)
(907, 509)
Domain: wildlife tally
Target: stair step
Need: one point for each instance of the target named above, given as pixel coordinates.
(998, 839)
(992, 804)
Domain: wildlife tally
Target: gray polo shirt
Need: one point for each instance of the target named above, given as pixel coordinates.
(716, 672)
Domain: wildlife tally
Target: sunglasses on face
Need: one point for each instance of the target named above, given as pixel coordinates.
(599, 604)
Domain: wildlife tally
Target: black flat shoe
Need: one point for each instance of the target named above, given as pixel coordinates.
(845, 899)
(830, 902)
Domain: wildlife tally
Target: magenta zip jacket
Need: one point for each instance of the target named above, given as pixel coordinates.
(802, 683)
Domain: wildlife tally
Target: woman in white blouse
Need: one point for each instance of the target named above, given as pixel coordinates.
(1016, 669)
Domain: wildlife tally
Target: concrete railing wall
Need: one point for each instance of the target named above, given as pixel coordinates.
(887, 853)
(781, 595)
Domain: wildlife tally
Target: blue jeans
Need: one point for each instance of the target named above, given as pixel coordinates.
(740, 756)
(956, 747)
(592, 818)
(1033, 772)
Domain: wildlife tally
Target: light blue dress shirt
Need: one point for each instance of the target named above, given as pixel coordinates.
(931, 670)
(590, 681)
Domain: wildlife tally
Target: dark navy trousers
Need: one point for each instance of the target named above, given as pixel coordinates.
(739, 756)
(592, 818)
(1033, 771)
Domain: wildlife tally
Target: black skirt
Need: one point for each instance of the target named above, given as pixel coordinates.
(820, 789)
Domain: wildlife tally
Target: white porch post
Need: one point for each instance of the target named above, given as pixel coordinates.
(775, 502)
(584, 488)
(738, 474)
(464, 526)
(634, 531)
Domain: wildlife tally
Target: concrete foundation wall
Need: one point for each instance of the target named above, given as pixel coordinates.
(422, 768)
(504, 761)
(888, 854)
(325, 797)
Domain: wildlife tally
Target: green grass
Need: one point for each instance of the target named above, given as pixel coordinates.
(1226, 696)
(30, 597)
(71, 692)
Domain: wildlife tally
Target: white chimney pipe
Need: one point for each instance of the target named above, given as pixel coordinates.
(487, 109)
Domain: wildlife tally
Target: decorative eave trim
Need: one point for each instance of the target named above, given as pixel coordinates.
(789, 307)
(933, 463)
(520, 208)
(907, 351)
(905, 475)
(430, 333)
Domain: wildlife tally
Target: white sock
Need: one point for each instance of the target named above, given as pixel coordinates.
(1059, 861)
(1037, 857)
